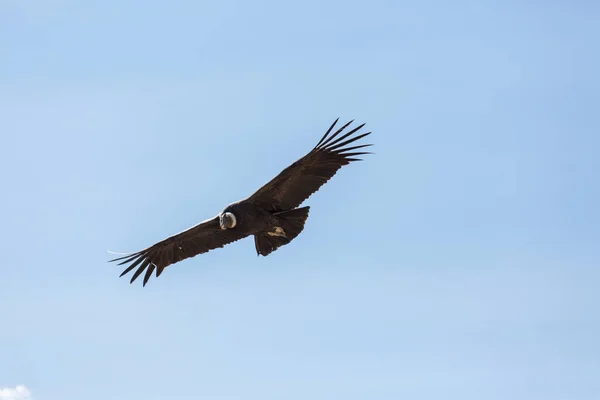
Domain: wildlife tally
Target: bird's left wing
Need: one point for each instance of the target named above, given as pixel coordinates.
(202, 238)
(304, 177)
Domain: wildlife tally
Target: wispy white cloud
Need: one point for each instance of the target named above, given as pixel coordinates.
(19, 392)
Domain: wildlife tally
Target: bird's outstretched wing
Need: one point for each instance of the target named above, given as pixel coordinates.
(304, 177)
(205, 236)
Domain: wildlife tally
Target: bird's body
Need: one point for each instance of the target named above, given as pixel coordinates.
(272, 214)
(252, 219)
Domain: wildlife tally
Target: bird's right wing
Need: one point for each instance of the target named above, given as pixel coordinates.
(202, 238)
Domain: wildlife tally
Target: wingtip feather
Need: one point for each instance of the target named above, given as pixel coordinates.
(330, 138)
(327, 133)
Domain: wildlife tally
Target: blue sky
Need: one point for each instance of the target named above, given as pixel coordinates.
(458, 262)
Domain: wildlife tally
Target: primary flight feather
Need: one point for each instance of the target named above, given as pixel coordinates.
(271, 214)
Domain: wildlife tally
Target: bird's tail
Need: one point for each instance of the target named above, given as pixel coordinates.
(292, 222)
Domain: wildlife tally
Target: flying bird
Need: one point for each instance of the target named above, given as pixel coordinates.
(271, 214)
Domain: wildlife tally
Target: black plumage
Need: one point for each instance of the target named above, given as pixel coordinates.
(270, 214)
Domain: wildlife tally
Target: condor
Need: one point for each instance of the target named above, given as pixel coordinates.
(271, 214)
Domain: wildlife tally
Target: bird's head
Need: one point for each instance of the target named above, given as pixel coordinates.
(227, 220)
